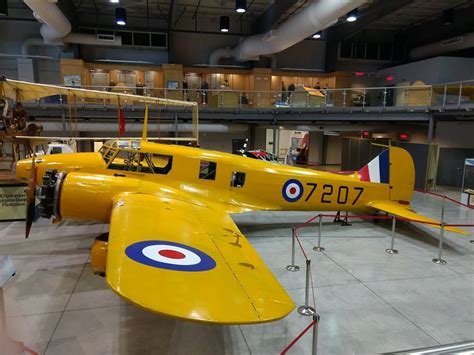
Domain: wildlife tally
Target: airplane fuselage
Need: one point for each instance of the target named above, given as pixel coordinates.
(241, 183)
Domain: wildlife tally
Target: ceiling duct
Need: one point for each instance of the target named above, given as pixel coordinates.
(448, 45)
(56, 28)
(318, 15)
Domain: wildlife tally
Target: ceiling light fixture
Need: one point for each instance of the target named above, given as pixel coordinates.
(448, 16)
(318, 35)
(224, 23)
(120, 16)
(240, 6)
(352, 15)
(3, 7)
(114, 1)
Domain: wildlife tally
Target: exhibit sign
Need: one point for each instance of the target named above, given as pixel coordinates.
(12, 202)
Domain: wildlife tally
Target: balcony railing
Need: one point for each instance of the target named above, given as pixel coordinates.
(431, 97)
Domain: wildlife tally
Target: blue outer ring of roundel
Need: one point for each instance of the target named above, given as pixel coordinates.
(288, 198)
(135, 252)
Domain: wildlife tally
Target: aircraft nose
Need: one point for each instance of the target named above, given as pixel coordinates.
(23, 169)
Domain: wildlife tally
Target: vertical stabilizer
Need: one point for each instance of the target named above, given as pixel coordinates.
(394, 166)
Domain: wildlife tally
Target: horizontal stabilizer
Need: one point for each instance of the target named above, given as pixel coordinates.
(405, 211)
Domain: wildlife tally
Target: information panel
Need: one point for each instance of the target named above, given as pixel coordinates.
(12, 202)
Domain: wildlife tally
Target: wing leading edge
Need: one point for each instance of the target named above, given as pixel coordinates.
(190, 262)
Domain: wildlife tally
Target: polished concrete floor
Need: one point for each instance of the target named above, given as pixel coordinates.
(369, 301)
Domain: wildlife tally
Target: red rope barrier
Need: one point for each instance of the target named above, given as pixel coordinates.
(301, 246)
(381, 217)
(289, 346)
(459, 225)
(374, 217)
(446, 197)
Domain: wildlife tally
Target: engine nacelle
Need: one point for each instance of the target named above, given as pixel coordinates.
(81, 196)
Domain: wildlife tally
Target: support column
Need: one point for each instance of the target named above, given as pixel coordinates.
(431, 129)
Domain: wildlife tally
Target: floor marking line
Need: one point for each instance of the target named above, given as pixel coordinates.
(65, 307)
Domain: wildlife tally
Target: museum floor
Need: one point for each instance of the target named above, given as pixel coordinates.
(369, 301)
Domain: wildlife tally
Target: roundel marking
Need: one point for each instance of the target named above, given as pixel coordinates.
(292, 190)
(169, 255)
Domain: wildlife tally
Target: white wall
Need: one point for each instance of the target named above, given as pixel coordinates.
(433, 71)
(221, 141)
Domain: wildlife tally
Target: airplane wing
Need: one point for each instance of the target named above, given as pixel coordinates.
(25, 91)
(405, 211)
(191, 262)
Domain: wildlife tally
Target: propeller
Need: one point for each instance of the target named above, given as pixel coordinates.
(30, 198)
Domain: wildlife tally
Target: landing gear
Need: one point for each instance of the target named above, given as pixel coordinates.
(344, 221)
(99, 254)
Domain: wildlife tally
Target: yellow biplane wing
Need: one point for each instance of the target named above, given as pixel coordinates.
(405, 211)
(189, 261)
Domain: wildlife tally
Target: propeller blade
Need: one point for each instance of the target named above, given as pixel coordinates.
(30, 198)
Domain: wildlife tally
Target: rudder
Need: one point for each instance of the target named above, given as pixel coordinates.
(394, 166)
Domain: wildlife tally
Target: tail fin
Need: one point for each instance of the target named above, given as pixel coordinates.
(394, 166)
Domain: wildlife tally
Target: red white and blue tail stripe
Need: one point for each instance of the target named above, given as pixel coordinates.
(377, 170)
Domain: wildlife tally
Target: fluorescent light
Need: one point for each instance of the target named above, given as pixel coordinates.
(240, 6)
(224, 23)
(352, 16)
(317, 35)
(3, 8)
(114, 1)
(120, 16)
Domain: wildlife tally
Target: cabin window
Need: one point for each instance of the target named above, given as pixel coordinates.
(207, 170)
(238, 179)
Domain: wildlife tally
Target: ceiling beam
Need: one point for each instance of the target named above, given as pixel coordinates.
(435, 30)
(271, 15)
(373, 13)
(170, 16)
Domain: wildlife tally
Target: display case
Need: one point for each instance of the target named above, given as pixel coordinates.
(467, 191)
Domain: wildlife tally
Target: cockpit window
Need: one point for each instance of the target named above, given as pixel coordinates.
(107, 153)
(142, 162)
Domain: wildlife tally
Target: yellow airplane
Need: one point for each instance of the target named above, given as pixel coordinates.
(172, 247)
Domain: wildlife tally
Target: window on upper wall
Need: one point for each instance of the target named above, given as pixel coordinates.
(207, 170)
(238, 179)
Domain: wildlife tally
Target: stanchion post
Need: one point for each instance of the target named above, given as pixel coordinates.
(439, 259)
(392, 250)
(314, 347)
(307, 310)
(320, 224)
(293, 267)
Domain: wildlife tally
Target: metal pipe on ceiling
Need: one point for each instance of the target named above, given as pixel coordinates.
(56, 28)
(318, 15)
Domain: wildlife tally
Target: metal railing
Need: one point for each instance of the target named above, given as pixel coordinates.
(436, 97)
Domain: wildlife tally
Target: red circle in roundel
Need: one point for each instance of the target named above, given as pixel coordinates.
(292, 190)
(172, 254)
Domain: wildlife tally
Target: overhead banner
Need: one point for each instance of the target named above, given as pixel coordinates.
(12, 202)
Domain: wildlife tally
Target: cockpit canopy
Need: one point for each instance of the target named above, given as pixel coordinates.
(126, 155)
